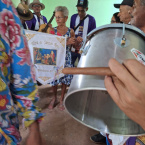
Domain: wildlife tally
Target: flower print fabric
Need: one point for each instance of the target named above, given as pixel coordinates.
(18, 91)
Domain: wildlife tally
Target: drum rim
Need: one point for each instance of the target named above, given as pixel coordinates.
(89, 125)
(131, 27)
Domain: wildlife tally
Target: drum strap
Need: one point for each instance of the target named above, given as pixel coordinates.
(80, 23)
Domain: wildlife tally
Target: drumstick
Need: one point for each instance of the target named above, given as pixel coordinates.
(102, 71)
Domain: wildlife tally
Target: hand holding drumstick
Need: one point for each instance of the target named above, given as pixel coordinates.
(125, 84)
(103, 71)
(127, 88)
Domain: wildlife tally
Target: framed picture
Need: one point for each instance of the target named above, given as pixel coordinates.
(44, 56)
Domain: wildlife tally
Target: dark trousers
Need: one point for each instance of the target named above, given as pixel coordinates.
(74, 56)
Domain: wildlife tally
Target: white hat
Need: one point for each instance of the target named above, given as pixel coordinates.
(36, 2)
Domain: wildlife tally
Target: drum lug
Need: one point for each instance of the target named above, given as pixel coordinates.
(85, 50)
(121, 42)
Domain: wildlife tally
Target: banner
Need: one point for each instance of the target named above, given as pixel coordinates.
(48, 55)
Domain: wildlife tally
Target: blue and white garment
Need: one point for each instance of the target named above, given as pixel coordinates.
(67, 78)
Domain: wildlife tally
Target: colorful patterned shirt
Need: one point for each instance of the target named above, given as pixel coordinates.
(18, 92)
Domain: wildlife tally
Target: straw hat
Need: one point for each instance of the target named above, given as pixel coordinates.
(24, 12)
(36, 2)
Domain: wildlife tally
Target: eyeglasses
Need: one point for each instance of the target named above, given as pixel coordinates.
(36, 6)
(81, 11)
(59, 17)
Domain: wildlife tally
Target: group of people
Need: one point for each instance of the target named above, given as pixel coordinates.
(84, 23)
(80, 25)
(18, 91)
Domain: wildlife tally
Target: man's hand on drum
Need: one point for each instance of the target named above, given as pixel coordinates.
(71, 41)
(127, 88)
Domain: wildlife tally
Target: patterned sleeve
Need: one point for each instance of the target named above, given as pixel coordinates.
(22, 78)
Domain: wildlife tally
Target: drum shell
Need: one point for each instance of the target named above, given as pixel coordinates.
(87, 99)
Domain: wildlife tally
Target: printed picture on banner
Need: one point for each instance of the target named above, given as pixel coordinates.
(44, 56)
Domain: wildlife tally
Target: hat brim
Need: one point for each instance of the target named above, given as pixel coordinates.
(31, 4)
(81, 6)
(26, 18)
(117, 6)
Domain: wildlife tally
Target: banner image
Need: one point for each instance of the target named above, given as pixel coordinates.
(48, 55)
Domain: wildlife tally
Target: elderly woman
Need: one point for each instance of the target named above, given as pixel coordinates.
(61, 16)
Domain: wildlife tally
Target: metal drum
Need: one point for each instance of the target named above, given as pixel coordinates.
(87, 99)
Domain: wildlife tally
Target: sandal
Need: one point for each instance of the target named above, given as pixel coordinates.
(61, 107)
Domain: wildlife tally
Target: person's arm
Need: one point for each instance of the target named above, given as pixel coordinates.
(72, 33)
(23, 85)
(52, 31)
(71, 40)
(127, 88)
(78, 40)
(92, 24)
